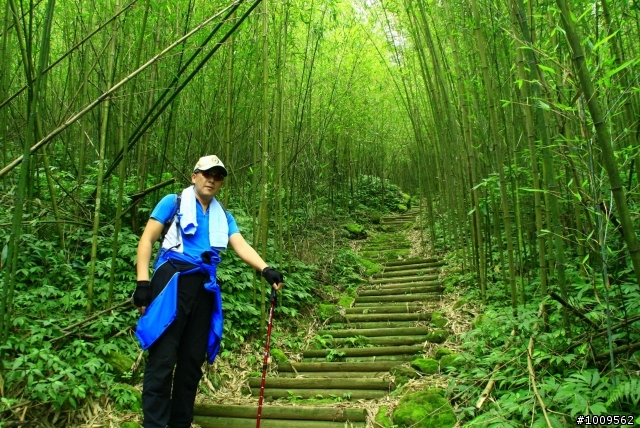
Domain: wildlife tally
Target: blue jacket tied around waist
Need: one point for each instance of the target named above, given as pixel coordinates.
(164, 308)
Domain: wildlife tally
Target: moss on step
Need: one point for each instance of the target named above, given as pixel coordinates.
(130, 425)
(326, 311)
(438, 336)
(425, 365)
(126, 397)
(371, 268)
(121, 364)
(403, 374)
(382, 419)
(460, 303)
(438, 320)
(425, 409)
(346, 301)
(441, 352)
(279, 356)
(451, 362)
(402, 208)
(355, 231)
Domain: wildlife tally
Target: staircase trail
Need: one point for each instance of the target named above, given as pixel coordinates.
(388, 319)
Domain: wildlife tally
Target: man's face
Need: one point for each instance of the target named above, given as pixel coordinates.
(207, 183)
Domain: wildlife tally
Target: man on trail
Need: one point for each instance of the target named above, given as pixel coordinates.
(181, 306)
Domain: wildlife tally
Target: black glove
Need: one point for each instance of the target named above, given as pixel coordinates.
(142, 295)
(272, 276)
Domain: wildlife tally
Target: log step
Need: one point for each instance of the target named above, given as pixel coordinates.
(412, 261)
(336, 367)
(364, 352)
(398, 298)
(404, 290)
(416, 265)
(372, 325)
(426, 304)
(331, 383)
(345, 394)
(334, 414)
(378, 341)
(407, 272)
(352, 318)
(405, 309)
(400, 285)
(376, 332)
(415, 278)
(398, 359)
(347, 375)
(217, 422)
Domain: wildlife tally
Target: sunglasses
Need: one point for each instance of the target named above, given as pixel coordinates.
(217, 176)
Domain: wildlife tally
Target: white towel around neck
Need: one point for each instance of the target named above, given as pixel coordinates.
(218, 226)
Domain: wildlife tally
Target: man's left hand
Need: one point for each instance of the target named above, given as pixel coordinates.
(273, 277)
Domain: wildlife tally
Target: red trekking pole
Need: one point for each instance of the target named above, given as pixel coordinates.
(266, 355)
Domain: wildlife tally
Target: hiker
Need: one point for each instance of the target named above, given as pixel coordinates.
(181, 307)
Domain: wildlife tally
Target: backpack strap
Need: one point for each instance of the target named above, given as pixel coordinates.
(172, 219)
(167, 224)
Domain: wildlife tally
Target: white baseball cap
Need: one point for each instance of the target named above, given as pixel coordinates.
(208, 162)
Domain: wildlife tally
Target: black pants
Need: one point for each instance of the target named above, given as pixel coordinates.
(168, 395)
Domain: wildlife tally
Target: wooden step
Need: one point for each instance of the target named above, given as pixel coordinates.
(336, 367)
(398, 298)
(364, 352)
(330, 383)
(398, 359)
(217, 422)
(415, 278)
(376, 332)
(345, 394)
(372, 325)
(412, 261)
(315, 413)
(406, 309)
(348, 375)
(400, 285)
(428, 304)
(407, 272)
(404, 290)
(417, 265)
(354, 318)
(378, 341)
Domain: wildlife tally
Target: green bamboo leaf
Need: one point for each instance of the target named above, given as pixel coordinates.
(617, 70)
(606, 39)
(547, 69)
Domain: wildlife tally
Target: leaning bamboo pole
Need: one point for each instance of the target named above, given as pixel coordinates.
(603, 137)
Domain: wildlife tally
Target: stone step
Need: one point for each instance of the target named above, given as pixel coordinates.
(406, 309)
(331, 383)
(412, 261)
(375, 332)
(345, 394)
(403, 290)
(408, 272)
(353, 318)
(416, 278)
(364, 352)
(398, 298)
(417, 265)
(217, 422)
(315, 413)
(336, 367)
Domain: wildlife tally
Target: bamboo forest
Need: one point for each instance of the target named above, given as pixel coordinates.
(444, 193)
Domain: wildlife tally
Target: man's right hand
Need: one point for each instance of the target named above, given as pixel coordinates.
(142, 296)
